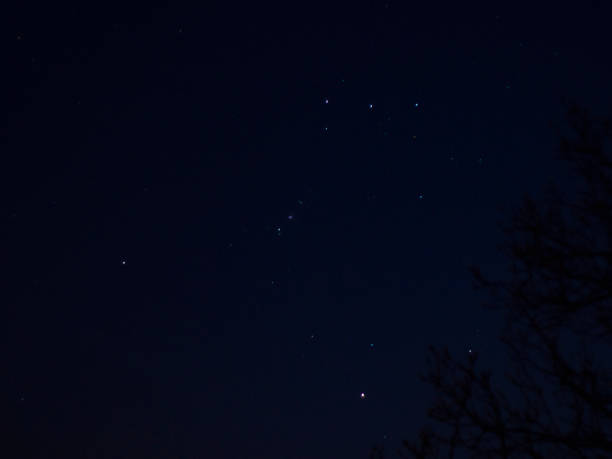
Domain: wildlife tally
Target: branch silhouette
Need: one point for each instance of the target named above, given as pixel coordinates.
(555, 400)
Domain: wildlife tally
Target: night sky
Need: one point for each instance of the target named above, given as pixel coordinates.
(231, 230)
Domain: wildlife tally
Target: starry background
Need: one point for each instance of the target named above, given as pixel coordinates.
(232, 230)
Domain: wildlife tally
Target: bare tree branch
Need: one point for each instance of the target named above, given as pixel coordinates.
(556, 399)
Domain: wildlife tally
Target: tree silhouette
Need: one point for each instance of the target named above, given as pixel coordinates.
(555, 400)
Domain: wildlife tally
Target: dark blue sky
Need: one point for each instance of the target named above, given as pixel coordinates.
(204, 258)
